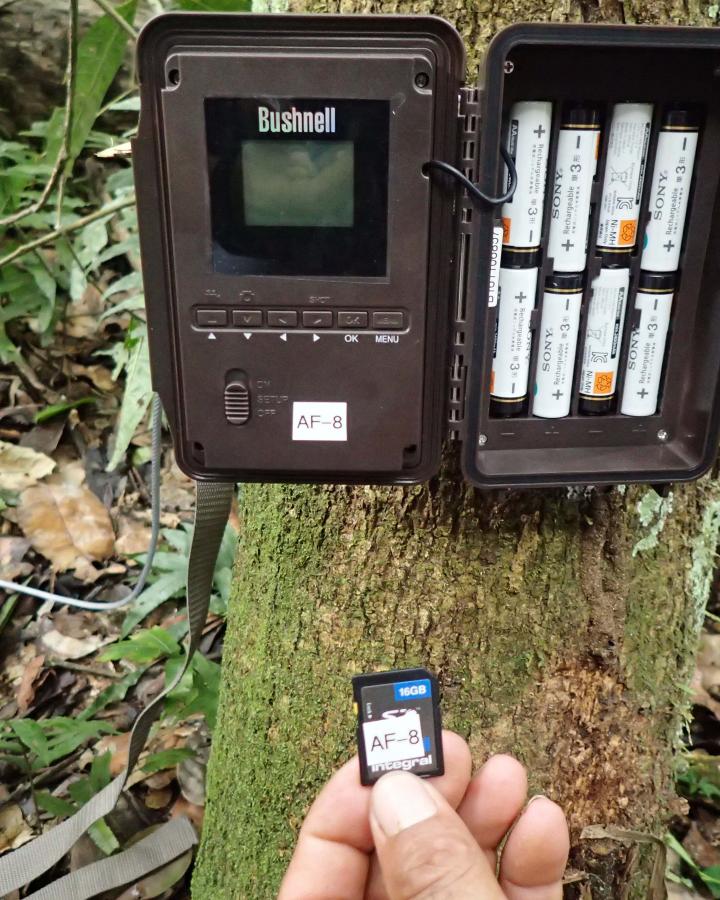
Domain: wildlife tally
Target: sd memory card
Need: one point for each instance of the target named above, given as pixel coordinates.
(398, 723)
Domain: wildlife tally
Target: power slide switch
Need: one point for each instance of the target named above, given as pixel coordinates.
(237, 397)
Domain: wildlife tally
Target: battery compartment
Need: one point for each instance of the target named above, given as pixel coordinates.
(601, 66)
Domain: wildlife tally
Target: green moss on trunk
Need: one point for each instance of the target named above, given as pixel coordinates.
(553, 636)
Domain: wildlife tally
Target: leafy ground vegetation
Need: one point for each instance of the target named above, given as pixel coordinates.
(74, 498)
(74, 476)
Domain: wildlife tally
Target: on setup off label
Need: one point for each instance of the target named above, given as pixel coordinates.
(319, 421)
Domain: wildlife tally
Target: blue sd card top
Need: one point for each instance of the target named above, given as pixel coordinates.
(409, 690)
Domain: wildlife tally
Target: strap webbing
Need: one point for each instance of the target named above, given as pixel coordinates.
(30, 861)
(157, 849)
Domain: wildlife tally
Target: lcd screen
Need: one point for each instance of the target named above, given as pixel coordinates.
(298, 184)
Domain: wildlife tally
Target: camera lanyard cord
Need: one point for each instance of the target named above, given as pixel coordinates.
(478, 195)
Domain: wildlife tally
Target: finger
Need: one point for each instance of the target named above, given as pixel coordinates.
(452, 785)
(493, 800)
(332, 854)
(535, 855)
(423, 846)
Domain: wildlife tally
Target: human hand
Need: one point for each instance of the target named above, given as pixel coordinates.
(408, 838)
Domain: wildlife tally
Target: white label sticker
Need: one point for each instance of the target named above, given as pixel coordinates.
(397, 736)
(495, 265)
(319, 421)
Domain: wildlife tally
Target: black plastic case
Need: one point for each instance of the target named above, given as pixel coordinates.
(598, 64)
(604, 64)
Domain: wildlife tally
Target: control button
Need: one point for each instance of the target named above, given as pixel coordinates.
(352, 319)
(211, 318)
(317, 318)
(388, 320)
(247, 318)
(282, 318)
(237, 397)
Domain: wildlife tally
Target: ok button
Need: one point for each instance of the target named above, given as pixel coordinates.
(349, 319)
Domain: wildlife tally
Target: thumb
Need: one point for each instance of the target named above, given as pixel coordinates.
(423, 846)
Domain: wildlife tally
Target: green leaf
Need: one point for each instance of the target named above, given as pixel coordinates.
(216, 5)
(143, 647)
(114, 693)
(100, 771)
(100, 54)
(130, 282)
(179, 538)
(197, 692)
(33, 737)
(129, 104)
(136, 399)
(66, 735)
(167, 586)
(166, 759)
(711, 879)
(56, 409)
(103, 837)
(56, 806)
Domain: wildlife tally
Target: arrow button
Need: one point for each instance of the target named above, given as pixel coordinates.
(211, 318)
(282, 318)
(317, 318)
(247, 318)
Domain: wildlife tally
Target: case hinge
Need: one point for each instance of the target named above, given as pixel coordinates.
(469, 132)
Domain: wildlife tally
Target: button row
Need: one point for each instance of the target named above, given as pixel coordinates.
(288, 318)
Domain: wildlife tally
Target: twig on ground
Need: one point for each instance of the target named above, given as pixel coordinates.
(85, 670)
(75, 225)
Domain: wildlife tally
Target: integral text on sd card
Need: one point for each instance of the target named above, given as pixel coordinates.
(398, 728)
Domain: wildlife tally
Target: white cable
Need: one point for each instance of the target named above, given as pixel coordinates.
(95, 605)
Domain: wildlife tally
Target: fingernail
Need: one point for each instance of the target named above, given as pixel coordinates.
(534, 798)
(400, 800)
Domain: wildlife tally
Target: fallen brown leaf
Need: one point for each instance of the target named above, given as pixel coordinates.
(158, 799)
(133, 537)
(12, 551)
(67, 524)
(82, 317)
(25, 693)
(99, 375)
(22, 467)
(62, 646)
(181, 807)
(118, 745)
(14, 830)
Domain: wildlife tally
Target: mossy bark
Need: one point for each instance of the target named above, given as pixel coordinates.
(562, 624)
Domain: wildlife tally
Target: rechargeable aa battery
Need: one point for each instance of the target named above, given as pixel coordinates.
(603, 337)
(528, 145)
(670, 191)
(646, 353)
(576, 162)
(623, 183)
(513, 339)
(557, 342)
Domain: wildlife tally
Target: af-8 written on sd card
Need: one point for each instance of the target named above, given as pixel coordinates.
(398, 723)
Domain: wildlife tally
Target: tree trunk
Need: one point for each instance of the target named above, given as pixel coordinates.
(562, 625)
